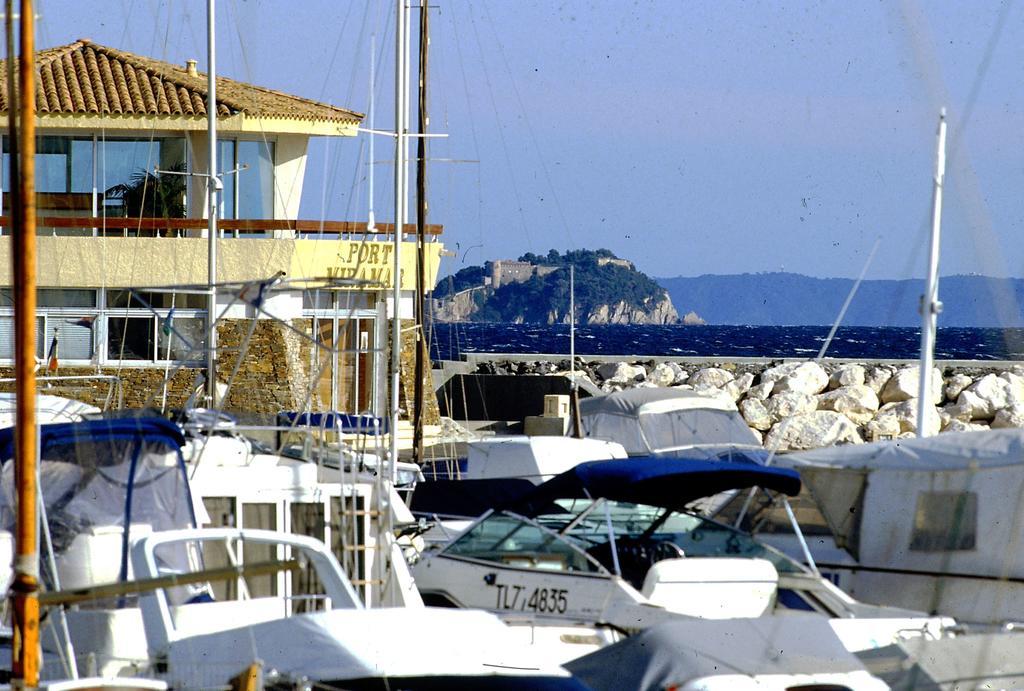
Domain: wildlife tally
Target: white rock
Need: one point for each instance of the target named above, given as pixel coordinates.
(628, 375)
(1016, 382)
(905, 383)
(1011, 416)
(711, 377)
(955, 384)
(905, 413)
(970, 406)
(882, 427)
(994, 391)
(961, 426)
(664, 374)
(739, 386)
(812, 430)
(762, 391)
(847, 375)
(756, 414)
(717, 394)
(758, 435)
(790, 403)
(877, 377)
(805, 377)
(857, 402)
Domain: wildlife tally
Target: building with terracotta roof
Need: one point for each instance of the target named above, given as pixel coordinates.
(121, 169)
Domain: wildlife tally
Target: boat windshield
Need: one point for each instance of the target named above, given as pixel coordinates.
(574, 536)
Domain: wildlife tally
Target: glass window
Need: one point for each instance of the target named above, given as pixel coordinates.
(64, 170)
(133, 175)
(7, 338)
(130, 338)
(65, 297)
(256, 183)
(945, 522)
(74, 338)
(226, 164)
(181, 339)
(515, 541)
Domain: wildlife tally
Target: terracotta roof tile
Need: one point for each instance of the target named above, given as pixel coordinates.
(87, 78)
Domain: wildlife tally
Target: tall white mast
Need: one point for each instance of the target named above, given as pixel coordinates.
(401, 128)
(371, 225)
(930, 305)
(213, 185)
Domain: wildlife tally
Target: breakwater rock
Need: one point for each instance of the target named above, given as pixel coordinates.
(804, 405)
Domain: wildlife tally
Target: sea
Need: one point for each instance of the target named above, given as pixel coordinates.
(450, 340)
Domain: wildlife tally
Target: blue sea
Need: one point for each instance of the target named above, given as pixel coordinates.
(450, 340)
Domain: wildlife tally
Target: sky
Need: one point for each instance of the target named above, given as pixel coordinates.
(689, 137)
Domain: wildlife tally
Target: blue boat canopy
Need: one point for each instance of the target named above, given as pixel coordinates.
(153, 429)
(663, 482)
(336, 422)
(124, 471)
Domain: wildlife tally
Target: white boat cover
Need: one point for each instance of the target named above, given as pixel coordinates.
(950, 451)
(48, 409)
(351, 644)
(872, 488)
(534, 458)
(651, 420)
(671, 654)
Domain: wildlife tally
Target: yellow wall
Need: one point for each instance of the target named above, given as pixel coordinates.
(140, 262)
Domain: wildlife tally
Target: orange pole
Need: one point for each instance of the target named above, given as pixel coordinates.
(25, 588)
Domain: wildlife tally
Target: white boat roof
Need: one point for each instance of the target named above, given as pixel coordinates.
(48, 409)
(361, 644)
(536, 458)
(950, 451)
(643, 401)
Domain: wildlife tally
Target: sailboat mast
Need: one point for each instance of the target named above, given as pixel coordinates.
(930, 305)
(25, 587)
(213, 185)
(371, 222)
(421, 238)
(401, 153)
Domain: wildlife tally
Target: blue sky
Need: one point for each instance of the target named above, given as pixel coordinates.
(690, 137)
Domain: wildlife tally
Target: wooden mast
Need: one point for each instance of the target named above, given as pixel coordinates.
(421, 239)
(25, 587)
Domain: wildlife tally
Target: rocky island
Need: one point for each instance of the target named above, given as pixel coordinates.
(535, 289)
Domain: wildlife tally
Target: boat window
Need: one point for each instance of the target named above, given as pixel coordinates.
(945, 522)
(516, 541)
(696, 536)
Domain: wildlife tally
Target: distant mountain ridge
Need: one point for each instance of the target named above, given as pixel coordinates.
(787, 299)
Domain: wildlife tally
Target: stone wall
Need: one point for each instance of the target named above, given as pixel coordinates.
(431, 412)
(275, 373)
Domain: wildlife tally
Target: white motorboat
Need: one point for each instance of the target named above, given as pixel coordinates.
(609, 546)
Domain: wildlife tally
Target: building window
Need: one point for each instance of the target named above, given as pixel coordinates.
(247, 169)
(111, 326)
(347, 381)
(139, 177)
(945, 522)
(94, 176)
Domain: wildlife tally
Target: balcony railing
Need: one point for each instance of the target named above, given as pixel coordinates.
(174, 227)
